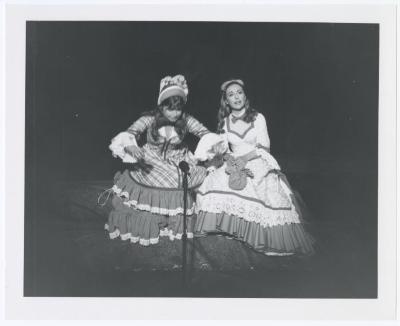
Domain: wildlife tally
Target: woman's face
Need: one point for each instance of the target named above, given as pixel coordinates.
(172, 114)
(235, 97)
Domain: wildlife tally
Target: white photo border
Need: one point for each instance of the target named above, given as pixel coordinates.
(19, 307)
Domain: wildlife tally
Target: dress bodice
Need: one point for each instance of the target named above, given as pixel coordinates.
(244, 137)
(166, 134)
(167, 138)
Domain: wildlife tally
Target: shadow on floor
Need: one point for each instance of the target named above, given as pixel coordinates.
(68, 253)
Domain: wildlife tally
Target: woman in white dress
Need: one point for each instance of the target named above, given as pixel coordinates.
(248, 196)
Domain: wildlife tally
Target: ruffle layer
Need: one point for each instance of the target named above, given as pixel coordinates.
(250, 210)
(163, 201)
(144, 227)
(280, 239)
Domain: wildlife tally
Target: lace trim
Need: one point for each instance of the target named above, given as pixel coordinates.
(146, 242)
(272, 253)
(128, 236)
(159, 210)
(169, 233)
(115, 234)
(250, 211)
(119, 142)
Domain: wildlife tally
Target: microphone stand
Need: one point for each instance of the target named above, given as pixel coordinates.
(184, 234)
(184, 166)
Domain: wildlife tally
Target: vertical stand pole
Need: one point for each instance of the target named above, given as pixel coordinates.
(184, 233)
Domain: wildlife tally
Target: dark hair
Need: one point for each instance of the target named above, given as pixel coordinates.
(250, 114)
(172, 103)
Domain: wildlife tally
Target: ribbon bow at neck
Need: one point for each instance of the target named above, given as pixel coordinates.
(235, 118)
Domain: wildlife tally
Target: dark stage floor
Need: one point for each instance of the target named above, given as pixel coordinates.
(68, 253)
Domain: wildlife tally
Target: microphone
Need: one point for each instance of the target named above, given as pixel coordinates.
(184, 166)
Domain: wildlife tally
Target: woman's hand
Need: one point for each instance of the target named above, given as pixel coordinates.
(136, 152)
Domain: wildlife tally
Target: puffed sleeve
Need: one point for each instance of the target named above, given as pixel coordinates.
(128, 138)
(206, 146)
(260, 124)
(195, 127)
(140, 125)
(263, 142)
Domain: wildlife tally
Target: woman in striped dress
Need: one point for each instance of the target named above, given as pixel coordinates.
(148, 198)
(248, 197)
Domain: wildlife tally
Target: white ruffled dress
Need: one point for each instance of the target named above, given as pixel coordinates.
(265, 214)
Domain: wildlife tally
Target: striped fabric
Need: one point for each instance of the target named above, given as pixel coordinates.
(162, 156)
(165, 173)
(140, 125)
(194, 126)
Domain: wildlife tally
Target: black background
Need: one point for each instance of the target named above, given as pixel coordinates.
(317, 85)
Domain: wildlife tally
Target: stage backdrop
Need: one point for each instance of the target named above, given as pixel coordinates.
(317, 85)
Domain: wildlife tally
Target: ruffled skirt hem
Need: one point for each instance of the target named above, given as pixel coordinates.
(144, 227)
(146, 242)
(163, 201)
(278, 240)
